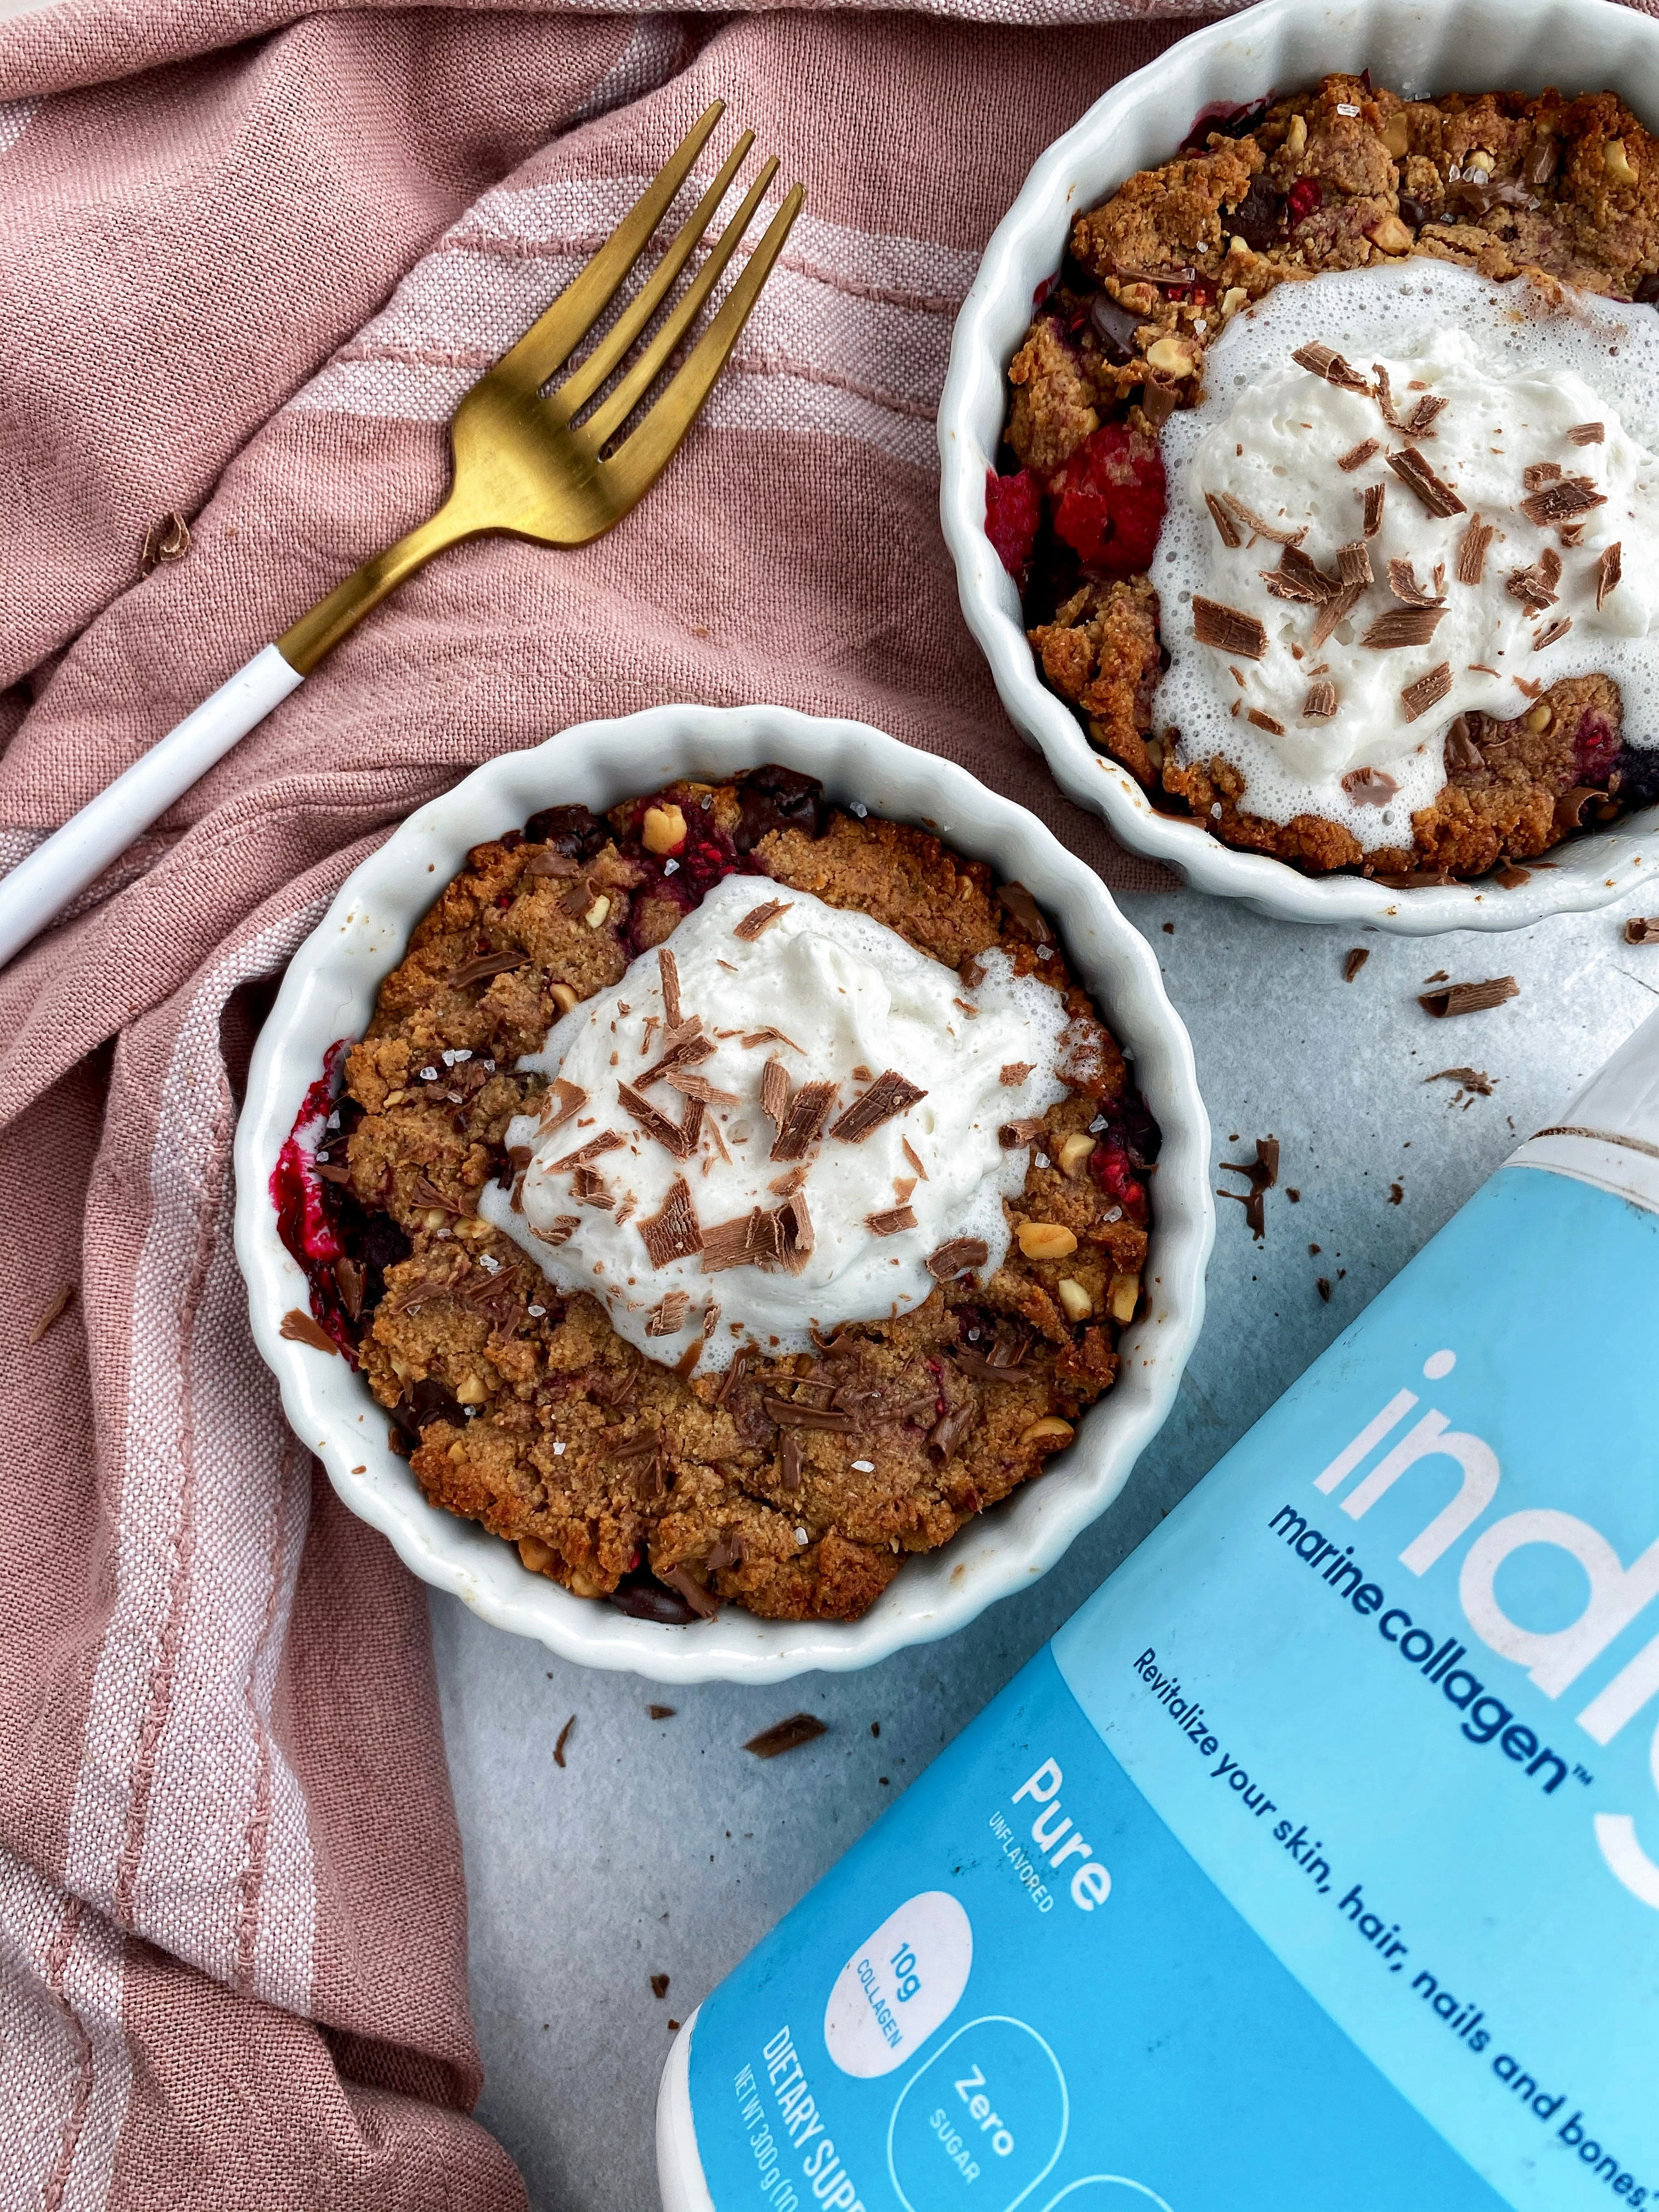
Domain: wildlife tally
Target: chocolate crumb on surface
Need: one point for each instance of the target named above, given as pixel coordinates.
(1352, 962)
(786, 1735)
(564, 1738)
(1642, 929)
(659, 1982)
(1467, 1079)
(1469, 998)
(662, 1713)
(1263, 1173)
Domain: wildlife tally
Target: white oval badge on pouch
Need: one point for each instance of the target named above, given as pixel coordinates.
(899, 1986)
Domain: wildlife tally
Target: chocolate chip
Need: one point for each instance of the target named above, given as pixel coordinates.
(1646, 294)
(575, 831)
(1116, 328)
(642, 1597)
(773, 798)
(1259, 218)
(1412, 211)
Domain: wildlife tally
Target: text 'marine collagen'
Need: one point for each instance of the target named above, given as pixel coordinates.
(1314, 1866)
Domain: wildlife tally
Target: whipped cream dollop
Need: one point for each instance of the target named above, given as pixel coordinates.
(825, 1120)
(1531, 419)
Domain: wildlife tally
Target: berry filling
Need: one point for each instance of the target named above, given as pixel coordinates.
(1109, 498)
(1013, 508)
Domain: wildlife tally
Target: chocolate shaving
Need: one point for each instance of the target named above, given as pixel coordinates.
(1301, 579)
(803, 1123)
(1253, 523)
(741, 1359)
(1357, 456)
(1472, 550)
(1403, 626)
(350, 1279)
(698, 1087)
(1369, 786)
(606, 1141)
(1560, 502)
(1319, 705)
(889, 1224)
(1126, 273)
(673, 1232)
(956, 1257)
(1023, 910)
(668, 1319)
(795, 1233)
(1263, 1173)
(563, 1228)
(1534, 587)
(1414, 472)
(788, 1183)
(1336, 613)
(1539, 472)
(1422, 415)
(1265, 722)
(589, 1188)
(1587, 433)
(578, 899)
(947, 1433)
(1402, 582)
(775, 1092)
(1608, 569)
(333, 1171)
(759, 918)
(1323, 360)
(487, 963)
(1012, 1134)
(1469, 998)
(789, 1415)
(547, 863)
(1157, 403)
(425, 1192)
(566, 1099)
(889, 1094)
(1428, 691)
(703, 1602)
(1228, 629)
(1353, 962)
(1642, 929)
(300, 1329)
(687, 1048)
(785, 1736)
(1013, 1074)
(913, 1157)
(792, 1459)
(65, 1298)
(564, 1738)
(1231, 536)
(766, 1037)
(1461, 754)
(1353, 564)
(1553, 634)
(1382, 392)
(750, 1241)
(668, 968)
(678, 1138)
(1376, 495)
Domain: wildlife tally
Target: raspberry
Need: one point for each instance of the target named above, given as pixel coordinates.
(1013, 508)
(1594, 749)
(1305, 198)
(1109, 498)
(1113, 1172)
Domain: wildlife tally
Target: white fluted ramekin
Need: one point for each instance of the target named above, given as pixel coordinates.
(329, 992)
(1419, 46)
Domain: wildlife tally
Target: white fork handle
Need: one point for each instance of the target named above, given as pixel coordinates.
(38, 888)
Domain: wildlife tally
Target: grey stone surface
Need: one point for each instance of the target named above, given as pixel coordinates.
(661, 1847)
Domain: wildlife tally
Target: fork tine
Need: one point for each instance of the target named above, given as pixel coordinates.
(554, 336)
(617, 406)
(636, 463)
(585, 380)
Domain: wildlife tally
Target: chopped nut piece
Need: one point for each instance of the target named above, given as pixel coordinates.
(563, 997)
(1615, 160)
(1122, 1297)
(1045, 1240)
(1075, 1153)
(1389, 235)
(596, 912)
(663, 829)
(1171, 356)
(1049, 1433)
(1075, 1301)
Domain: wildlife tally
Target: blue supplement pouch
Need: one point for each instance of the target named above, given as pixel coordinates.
(1316, 1862)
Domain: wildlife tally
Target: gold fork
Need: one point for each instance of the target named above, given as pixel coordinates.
(523, 464)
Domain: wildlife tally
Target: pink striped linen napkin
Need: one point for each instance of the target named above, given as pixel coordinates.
(249, 260)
